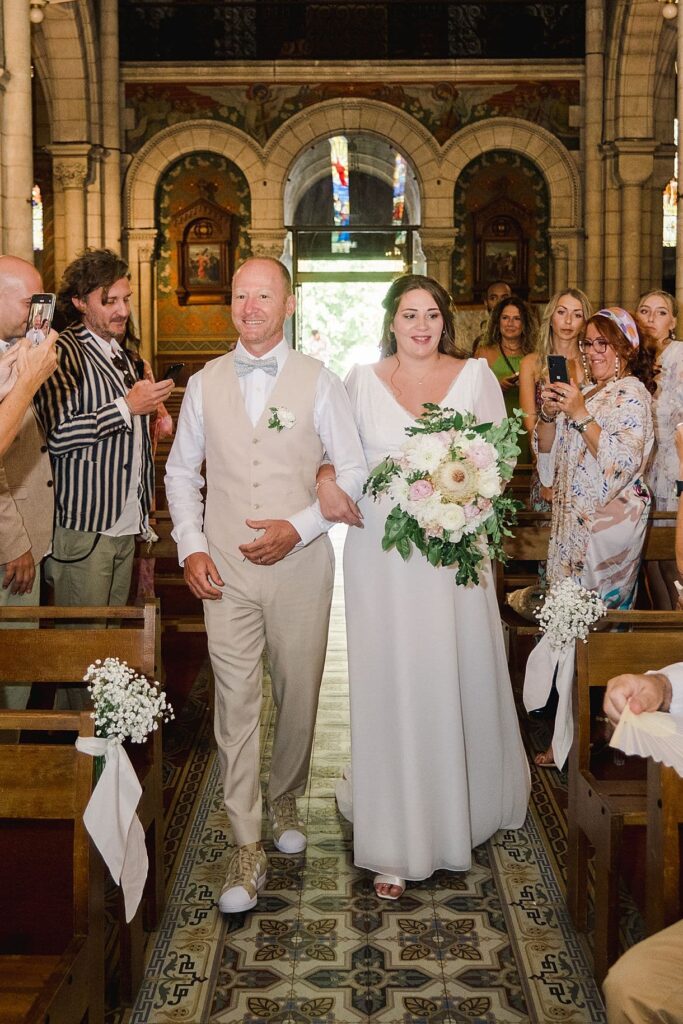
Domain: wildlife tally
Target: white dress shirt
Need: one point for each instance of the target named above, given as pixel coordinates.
(674, 673)
(129, 521)
(334, 424)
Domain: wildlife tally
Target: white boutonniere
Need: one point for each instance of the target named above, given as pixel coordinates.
(282, 418)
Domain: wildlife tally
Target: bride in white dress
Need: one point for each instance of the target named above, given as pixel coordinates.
(437, 759)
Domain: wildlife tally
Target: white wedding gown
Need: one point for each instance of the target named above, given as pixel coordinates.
(437, 759)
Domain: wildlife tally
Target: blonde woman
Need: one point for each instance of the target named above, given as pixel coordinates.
(563, 323)
(656, 317)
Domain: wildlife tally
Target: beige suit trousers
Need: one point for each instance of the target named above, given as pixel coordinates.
(286, 609)
(645, 986)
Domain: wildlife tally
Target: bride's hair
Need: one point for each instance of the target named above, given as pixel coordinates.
(409, 283)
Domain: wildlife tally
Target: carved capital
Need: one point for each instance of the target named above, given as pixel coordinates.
(70, 164)
(437, 246)
(70, 173)
(267, 243)
(141, 244)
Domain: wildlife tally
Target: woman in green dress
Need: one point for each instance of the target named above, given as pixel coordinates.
(511, 335)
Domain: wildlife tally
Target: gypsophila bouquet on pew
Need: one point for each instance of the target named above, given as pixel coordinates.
(568, 612)
(127, 705)
(447, 488)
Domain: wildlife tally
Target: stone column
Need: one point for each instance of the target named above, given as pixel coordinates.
(16, 132)
(635, 163)
(70, 169)
(140, 246)
(111, 125)
(437, 246)
(560, 266)
(592, 138)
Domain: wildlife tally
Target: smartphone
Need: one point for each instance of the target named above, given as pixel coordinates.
(557, 369)
(173, 372)
(40, 314)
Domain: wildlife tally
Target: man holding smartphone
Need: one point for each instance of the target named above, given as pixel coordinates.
(26, 492)
(96, 411)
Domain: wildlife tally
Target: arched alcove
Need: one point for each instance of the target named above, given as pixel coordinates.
(501, 212)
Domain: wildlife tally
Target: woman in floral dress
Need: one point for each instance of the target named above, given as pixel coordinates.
(593, 445)
(656, 317)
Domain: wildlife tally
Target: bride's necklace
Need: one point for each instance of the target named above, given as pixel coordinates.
(417, 380)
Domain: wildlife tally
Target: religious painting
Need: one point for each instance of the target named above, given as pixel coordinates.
(501, 261)
(207, 236)
(204, 264)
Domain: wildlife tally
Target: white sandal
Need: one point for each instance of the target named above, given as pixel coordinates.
(393, 880)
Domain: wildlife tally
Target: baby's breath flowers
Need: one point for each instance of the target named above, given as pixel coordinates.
(127, 705)
(568, 612)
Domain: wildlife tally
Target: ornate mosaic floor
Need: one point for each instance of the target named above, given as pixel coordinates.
(492, 946)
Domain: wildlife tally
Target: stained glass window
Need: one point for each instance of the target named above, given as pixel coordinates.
(37, 213)
(339, 159)
(670, 200)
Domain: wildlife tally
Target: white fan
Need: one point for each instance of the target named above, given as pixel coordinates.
(652, 734)
(37, 8)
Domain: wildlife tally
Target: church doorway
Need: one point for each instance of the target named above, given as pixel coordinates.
(353, 201)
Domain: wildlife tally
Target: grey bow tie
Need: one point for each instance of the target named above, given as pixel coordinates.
(244, 365)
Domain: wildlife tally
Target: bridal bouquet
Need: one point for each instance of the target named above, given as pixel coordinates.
(127, 705)
(568, 612)
(447, 489)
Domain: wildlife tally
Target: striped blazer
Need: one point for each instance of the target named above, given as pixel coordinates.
(90, 443)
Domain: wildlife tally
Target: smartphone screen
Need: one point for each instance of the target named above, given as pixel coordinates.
(173, 372)
(557, 369)
(40, 315)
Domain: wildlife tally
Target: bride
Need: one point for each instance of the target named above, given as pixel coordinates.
(437, 759)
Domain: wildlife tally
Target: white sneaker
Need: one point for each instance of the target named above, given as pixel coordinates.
(288, 834)
(246, 876)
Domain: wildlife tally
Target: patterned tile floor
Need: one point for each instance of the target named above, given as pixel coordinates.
(490, 946)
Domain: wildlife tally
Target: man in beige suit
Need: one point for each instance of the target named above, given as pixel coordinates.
(26, 492)
(258, 553)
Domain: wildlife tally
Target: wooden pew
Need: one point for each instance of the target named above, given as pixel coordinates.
(530, 544)
(60, 655)
(52, 924)
(599, 810)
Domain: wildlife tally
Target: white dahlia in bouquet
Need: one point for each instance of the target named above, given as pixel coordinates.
(447, 488)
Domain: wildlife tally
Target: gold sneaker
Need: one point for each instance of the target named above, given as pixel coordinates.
(288, 829)
(246, 875)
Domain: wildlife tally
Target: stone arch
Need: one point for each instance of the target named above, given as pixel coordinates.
(373, 117)
(65, 50)
(171, 144)
(632, 69)
(537, 144)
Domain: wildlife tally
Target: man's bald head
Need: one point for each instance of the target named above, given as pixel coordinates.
(19, 280)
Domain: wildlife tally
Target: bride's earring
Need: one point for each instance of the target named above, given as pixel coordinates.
(672, 334)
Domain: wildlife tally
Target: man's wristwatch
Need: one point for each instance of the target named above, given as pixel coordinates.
(679, 488)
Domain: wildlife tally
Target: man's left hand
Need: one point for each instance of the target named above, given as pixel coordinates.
(276, 541)
(20, 574)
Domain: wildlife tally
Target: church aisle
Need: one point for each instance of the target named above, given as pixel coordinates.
(494, 944)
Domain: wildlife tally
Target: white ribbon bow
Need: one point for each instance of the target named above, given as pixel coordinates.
(111, 820)
(538, 681)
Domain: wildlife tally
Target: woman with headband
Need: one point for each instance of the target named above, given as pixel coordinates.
(593, 443)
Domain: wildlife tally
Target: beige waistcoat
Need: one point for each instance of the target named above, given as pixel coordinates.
(257, 472)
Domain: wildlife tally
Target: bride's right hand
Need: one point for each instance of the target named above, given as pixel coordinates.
(336, 506)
